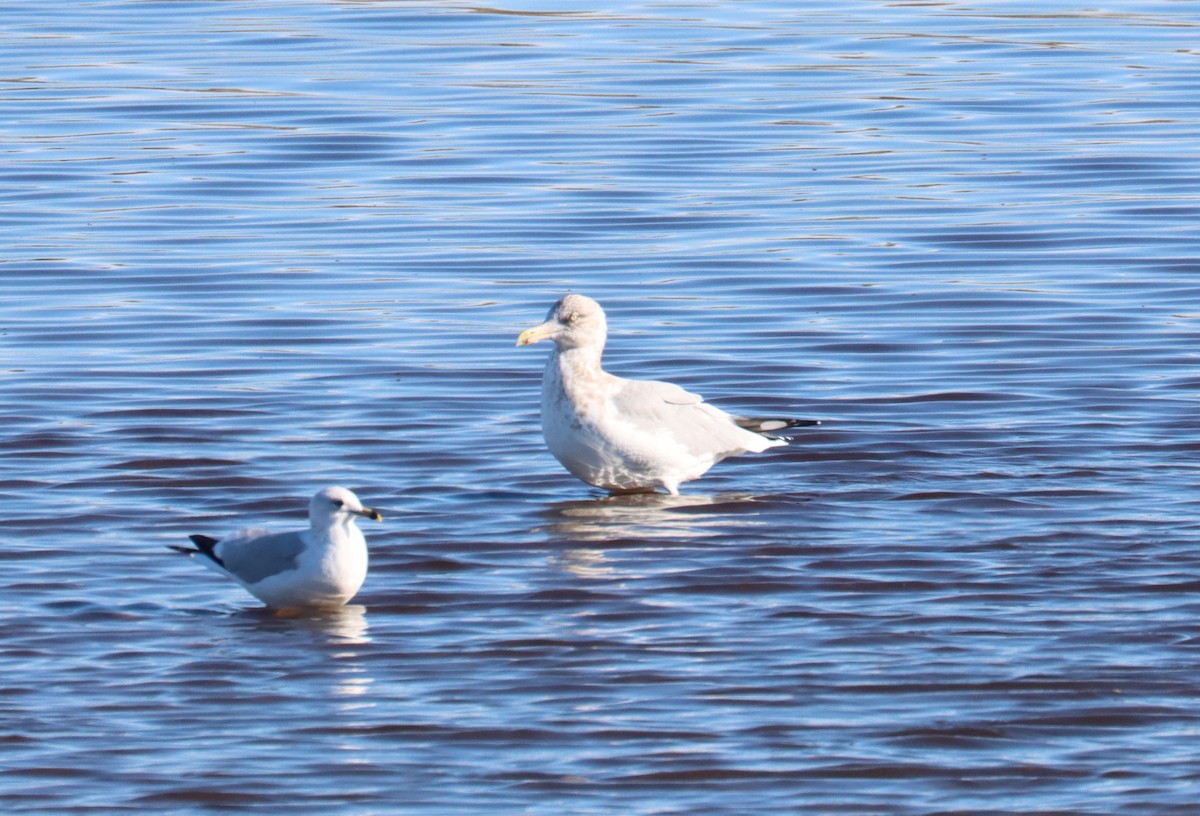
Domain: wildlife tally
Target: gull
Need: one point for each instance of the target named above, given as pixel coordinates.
(321, 567)
(630, 436)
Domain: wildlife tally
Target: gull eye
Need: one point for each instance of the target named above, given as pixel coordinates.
(571, 318)
(338, 503)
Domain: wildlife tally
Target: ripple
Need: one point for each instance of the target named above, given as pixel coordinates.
(264, 247)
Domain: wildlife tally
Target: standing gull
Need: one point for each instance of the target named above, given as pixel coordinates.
(629, 436)
(321, 567)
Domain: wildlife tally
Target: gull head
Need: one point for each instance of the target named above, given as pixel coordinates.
(576, 320)
(338, 504)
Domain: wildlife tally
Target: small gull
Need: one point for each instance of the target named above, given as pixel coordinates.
(321, 567)
(630, 436)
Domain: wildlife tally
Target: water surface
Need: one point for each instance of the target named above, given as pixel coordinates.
(254, 248)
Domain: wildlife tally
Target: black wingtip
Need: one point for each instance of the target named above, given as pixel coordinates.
(204, 546)
(766, 425)
(184, 550)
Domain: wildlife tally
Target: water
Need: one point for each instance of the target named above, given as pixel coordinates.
(254, 248)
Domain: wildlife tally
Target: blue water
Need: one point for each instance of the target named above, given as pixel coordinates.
(254, 248)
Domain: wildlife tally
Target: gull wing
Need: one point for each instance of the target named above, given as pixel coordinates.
(664, 408)
(251, 556)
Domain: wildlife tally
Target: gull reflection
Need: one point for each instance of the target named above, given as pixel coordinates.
(583, 563)
(592, 527)
(331, 672)
(647, 516)
(346, 625)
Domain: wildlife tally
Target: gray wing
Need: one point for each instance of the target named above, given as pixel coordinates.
(251, 558)
(661, 407)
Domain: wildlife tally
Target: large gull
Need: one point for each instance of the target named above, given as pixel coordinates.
(321, 567)
(630, 436)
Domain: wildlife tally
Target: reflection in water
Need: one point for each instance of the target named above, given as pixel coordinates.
(226, 282)
(342, 631)
(584, 563)
(646, 515)
(347, 627)
(344, 626)
(649, 517)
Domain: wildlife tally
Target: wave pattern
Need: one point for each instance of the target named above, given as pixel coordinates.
(254, 248)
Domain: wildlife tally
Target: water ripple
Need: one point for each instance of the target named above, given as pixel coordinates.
(252, 248)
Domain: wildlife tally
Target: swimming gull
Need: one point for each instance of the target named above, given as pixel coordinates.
(321, 567)
(630, 436)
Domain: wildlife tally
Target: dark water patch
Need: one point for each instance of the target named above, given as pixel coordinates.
(206, 797)
(172, 463)
(952, 737)
(163, 412)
